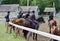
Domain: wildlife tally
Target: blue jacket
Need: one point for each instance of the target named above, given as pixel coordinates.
(51, 16)
(33, 17)
(27, 15)
(7, 18)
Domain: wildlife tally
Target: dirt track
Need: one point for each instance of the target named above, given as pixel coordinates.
(44, 27)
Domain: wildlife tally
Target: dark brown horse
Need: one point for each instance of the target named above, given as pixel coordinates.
(56, 31)
(26, 23)
(52, 24)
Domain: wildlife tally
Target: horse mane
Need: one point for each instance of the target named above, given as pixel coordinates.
(55, 23)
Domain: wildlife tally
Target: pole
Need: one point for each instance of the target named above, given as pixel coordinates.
(1, 1)
(54, 10)
(27, 4)
(35, 2)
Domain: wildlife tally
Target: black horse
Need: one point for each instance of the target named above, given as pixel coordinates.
(36, 26)
(40, 19)
(33, 25)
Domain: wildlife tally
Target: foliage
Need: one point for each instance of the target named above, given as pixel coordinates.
(41, 3)
(10, 2)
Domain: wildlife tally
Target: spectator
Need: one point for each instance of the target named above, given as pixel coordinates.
(7, 20)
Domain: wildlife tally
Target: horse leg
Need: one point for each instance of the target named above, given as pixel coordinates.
(50, 28)
(51, 39)
(25, 33)
(11, 29)
(36, 37)
(33, 36)
(16, 32)
(28, 36)
(19, 31)
(55, 40)
(36, 34)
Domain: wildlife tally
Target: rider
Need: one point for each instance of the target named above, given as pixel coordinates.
(19, 15)
(50, 18)
(33, 18)
(27, 15)
(7, 19)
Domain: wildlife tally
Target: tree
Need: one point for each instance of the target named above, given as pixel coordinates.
(10, 2)
(41, 3)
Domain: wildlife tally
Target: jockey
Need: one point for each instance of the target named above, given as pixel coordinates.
(50, 18)
(33, 18)
(27, 15)
(19, 15)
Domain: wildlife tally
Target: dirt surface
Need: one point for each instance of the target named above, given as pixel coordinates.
(44, 27)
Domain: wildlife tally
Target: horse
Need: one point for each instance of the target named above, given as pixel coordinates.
(56, 31)
(26, 23)
(16, 21)
(52, 24)
(40, 19)
(36, 26)
(12, 27)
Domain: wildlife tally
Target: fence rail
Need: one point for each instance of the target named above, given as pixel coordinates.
(37, 32)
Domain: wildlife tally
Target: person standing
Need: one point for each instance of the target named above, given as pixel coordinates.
(7, 20)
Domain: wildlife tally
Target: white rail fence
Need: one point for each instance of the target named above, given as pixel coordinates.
(37, 32)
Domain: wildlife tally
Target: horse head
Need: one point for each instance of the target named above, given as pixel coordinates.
(41, 19)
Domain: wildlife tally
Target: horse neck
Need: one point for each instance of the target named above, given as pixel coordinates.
(57, 30)
(54, 22)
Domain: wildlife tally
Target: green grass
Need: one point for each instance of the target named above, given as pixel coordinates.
(8, 37)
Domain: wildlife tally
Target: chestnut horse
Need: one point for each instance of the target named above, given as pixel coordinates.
(12, 27)
(52, 24)
(25, 23)
(56, 31)
(17, 21)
